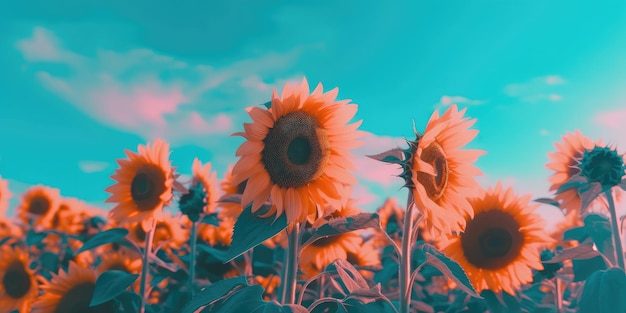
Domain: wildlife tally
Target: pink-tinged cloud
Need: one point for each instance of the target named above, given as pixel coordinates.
(364, 197)
(384, 174)
(446, 100)
(92, 166)
(615, 119)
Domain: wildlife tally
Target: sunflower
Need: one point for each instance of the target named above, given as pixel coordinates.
(203, 188)
(5, 195)
(230, 209)
(143, 186)
(70, 292)
(297, 153)
(168, 231)
(501, 243)
(442, 174)
(316, 256)
(38, 205)
(564, 162)
(18, 285)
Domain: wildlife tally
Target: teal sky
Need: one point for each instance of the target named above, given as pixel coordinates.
(82, 82)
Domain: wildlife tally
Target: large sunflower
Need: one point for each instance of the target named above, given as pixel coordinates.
(143, 184)
(18, 285)
(442, 173)
(5, 195)
(564, 162)
(297, 152)
(70, 292)
(501, 243)
(38, 206)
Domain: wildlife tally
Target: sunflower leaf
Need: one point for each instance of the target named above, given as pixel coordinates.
(595, 189)
(110, 284)
(250, 299)
(599, 229)
(210, 219)
(369, 300)
(268, 104)
(214, 292)
(576, 233)
(584, 268)
(395, 156)
(576, 182)
(340, 226)
(583, 251)
(329, 305)
(251, 230)
(450, 268)
(603, 292)
(351, 278)
(548, 201)
(103, 238)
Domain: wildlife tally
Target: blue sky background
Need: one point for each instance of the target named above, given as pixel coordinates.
(83, 80)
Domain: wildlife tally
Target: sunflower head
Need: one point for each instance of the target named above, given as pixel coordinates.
(602, 165)
(143, 185)
(18, 285)
(501, 242)
(204, 188)
(297, 153)
(38, 206)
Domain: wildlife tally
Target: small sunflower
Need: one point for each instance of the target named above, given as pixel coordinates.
(297, 153)
(441, 174)
(501, 243)
(203, 186)
(70, 292)
(5, 195)
(38, 205)
(18, 285)
(143, 185)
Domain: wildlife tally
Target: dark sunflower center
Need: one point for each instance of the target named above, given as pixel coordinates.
(296, 150)
(40, 205)
(16, 280)
(77, 299)
(603, 165)
(147, 187)
(492, 240)
(434, 185)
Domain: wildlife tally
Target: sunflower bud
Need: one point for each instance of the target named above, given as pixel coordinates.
(602, 165)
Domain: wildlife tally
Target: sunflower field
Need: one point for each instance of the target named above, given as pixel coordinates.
(282, 232)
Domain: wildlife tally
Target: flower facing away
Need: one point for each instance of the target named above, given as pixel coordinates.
(38, 206)
(297, 153)
(441, 174)
(602, 165)
(565, 164)
(501, 243)
(5, 195)
(203, 194)
(143, 185)
(18, 285)
(70, 292)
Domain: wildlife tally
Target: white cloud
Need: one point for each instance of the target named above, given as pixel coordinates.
(459, 100)
(92, 166)
(542, 88)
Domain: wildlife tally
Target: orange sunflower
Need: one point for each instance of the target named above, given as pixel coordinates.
(18, 285)
(143, 186)
(501, 243)
(442, 173)
(38, 205)
(297, 152)
(70, 292)
(5, 195)
(564, 162)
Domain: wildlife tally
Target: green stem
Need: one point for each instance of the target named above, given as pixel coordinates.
(404, 271)
(192, 260)
(145, 266)
(617, 241)
(291, 265)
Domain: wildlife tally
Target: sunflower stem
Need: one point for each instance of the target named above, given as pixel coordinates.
(404, 271)
(193, 239)
(615, 230)
(145, 265)
(291, 265)
(558, 295)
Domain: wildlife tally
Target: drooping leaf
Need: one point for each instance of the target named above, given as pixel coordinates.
(576, 233)
(110, 284)
(395, 155)
(449, 268)
(599, 229)
(103, 238)
(581, 252)
(251, 230)
(589, 195)
(548, 201)
(604, 292)
(584, 268)
(350, 278)
(576, 182)
(214, 292)
(340, 226)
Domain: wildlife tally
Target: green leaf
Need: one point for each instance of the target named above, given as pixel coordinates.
(589, 195)
(548, 201)
(395, 156)
(584, 268)
(268, 104)
(250, 299)
(599, 229)
(576, 233)
(351, 279)
(214, 292)
(493, 303)
(103, 238)
(329, 306)
(604, 292)
(450, 268)
(340, 226)
(583, 251)
(210, 219)
(110, 284)
(220, 255)
(252, 230)
(576, 182)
